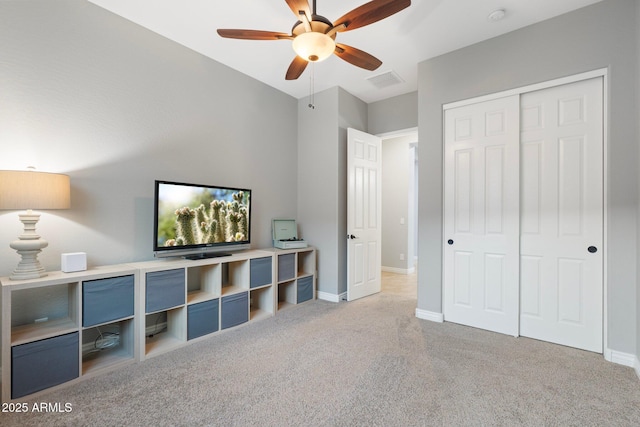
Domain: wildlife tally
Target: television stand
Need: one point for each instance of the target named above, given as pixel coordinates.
(178, 300)
(206, 255)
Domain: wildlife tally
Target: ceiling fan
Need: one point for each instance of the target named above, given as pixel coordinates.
(314, 36)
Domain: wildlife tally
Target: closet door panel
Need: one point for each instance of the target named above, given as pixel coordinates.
(482, 215)
(562, 215)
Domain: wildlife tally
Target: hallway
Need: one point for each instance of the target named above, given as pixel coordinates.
(404, 285)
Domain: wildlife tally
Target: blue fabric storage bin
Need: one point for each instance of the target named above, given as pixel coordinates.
(235, 309)
(305, 289)
(104, 300)
(164, 290)
(286, 267)
(202, 318)
(42, 364)
(260, 271)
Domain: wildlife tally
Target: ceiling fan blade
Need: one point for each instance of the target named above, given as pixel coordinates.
(300, 5)
(369, 13)
(357, 57)
(296, 68)
(253, 34)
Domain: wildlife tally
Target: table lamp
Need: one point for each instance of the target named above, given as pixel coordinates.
(32, 190)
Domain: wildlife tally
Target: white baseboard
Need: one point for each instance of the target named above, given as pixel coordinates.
(637, 367)
(325, 296)
(625, 359)
(399, 270)
(429, 315)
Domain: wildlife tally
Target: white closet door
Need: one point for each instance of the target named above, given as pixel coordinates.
(481, 215)
(562, 215)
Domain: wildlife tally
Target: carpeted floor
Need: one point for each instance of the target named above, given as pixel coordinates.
(369, 362)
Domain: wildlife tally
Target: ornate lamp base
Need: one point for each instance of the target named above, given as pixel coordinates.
(29, 246)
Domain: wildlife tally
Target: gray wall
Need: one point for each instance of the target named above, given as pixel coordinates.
(392, 114)
(319, 182)
(638, 207)
(322, 180)
(598, 36)
(115, 106)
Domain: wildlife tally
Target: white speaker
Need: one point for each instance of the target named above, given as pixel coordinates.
(76, 261)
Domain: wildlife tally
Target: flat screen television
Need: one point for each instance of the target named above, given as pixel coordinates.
(200, 221)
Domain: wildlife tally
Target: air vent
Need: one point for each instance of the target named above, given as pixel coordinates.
(387, 79)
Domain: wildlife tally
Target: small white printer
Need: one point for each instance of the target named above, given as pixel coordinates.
(285, 234)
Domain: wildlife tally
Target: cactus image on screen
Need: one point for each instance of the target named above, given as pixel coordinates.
(196, 215)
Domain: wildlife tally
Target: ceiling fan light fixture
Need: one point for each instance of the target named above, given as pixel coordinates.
(314, 35)
(314, 46)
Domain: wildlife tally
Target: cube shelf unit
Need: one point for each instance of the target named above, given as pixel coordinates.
(184, 300)
(92, 321)
(296, 274)
(54, 327)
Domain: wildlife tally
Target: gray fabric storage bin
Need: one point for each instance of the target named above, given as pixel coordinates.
(260, 271)
(286, 267)
(202, 318)
(164, 289)
(104, 300)
(305, 289)
(42, 364)
(235, 309)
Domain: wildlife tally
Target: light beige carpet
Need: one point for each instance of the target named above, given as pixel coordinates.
(369, 362)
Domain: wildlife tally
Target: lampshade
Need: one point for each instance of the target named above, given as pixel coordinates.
(34, 190)
(314, 46)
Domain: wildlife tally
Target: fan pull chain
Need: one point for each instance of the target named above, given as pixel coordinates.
(312, 95)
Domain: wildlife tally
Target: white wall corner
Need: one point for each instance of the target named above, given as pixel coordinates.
(429, 315)
(325, 296)
(620, 358)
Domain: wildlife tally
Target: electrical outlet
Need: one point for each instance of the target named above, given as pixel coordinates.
(401, 257)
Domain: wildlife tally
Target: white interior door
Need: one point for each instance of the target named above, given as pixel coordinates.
(562, 215)
(364, 206)
(481, 215)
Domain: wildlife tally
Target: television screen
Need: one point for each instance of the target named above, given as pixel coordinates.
(192, 218)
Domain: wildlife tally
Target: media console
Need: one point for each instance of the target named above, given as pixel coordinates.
(65, 327)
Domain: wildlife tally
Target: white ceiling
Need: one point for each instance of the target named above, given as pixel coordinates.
(425, 29)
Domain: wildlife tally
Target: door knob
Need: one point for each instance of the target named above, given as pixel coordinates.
(592, 249)
(351, 236)
(450, 242)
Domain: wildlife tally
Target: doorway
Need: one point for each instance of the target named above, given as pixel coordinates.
(399, 210)
(382, 171)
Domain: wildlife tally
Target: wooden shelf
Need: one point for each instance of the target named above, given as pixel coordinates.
(105, 359)
(161, 343)
(284, 304)
(59, 297)
(38, 331)
(259, 315)
(108, 323)
(303, 268)
(245, 284)
(195, 297)
(230, 290)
